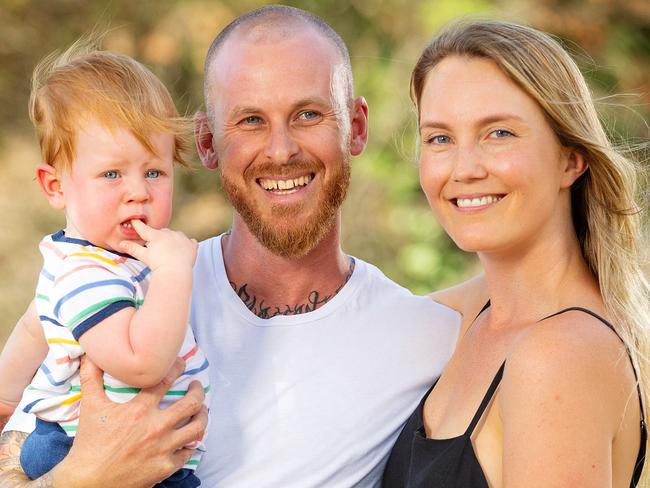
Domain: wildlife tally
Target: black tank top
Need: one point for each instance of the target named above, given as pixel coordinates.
(417, 461)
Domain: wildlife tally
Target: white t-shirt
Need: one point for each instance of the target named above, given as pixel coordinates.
(316, 399)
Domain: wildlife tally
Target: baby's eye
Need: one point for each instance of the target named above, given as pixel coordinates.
(153, 173)
(111, 175)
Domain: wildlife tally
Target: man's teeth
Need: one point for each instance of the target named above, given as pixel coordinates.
(477, 202)
(269, 184)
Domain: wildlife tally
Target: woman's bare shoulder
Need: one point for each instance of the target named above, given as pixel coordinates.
(565, 390)
(573, 359)
(467, 297)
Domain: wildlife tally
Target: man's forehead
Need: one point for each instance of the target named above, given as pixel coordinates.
(298, 38)
(297, 64)
(279, 90)
(270, 31)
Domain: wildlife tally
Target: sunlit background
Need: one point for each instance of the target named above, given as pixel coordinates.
(386, 218)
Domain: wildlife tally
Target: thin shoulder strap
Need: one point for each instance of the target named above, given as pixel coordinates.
(588, 312)
(486, 400)
(638, 468)
(611, 327)
(485, 307)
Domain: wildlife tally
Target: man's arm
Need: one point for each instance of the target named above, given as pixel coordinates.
(11, 474)
(130, 445)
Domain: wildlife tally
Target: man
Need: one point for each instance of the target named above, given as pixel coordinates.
(317, 358)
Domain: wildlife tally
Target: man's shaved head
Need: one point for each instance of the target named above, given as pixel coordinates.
(278, 22)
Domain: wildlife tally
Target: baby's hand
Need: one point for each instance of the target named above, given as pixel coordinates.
(163, 247)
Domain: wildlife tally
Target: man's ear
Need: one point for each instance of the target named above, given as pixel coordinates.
(203, 139)
(574, 167)
(49, 180)
(359, 127)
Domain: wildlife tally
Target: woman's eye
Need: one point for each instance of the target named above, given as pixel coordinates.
(501, 133)
(440, 139)
(153, 173)
(111, 175)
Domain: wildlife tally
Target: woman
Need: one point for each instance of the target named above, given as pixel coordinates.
(542, 389)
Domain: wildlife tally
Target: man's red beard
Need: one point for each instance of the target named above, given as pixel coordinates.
(287, 232)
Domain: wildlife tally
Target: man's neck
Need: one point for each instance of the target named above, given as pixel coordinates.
(272, 285)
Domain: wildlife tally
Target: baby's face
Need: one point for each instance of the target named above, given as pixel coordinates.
(115, 179)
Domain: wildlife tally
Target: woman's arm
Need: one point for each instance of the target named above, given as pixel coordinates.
(562, 400)
(21, 356)
(467, 298)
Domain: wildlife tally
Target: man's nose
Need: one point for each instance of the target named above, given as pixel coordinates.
(468, 164)
(281, 146)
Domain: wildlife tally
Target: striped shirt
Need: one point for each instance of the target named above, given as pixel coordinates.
(79, 286)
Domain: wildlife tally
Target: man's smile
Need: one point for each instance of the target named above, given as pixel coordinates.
(286, 185)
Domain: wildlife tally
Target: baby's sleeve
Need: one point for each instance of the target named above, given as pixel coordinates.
(87, 291)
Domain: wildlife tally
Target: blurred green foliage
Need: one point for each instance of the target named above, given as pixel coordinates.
(386, 217)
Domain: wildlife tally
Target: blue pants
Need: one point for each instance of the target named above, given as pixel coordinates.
(48, 444)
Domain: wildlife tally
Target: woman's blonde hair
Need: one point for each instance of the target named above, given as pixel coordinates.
(606, 215)
(84, 83)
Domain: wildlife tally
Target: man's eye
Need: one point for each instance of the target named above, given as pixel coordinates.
(111, 175)
(252, 119)
(309, 115)
(153, 173)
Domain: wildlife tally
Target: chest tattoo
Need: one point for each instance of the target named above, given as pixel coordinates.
(263, 310)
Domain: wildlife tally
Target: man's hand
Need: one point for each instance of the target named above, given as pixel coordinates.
(134, 444)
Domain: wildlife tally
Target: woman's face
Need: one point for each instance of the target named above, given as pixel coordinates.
(491, 167)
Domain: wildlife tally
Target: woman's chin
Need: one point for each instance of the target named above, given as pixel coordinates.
(473, 243)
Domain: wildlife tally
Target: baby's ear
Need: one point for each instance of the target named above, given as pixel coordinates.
(50, 182)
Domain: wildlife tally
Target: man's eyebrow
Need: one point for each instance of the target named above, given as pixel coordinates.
(241, 111)
(489, 119)
(244, 110)
(313, 101)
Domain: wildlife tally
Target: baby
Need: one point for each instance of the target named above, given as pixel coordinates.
(115, 283)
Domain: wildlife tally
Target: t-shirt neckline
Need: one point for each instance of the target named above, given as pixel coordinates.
(232, 300)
